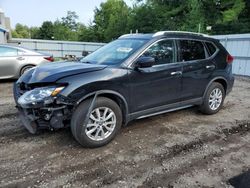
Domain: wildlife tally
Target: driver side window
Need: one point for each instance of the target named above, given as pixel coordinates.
(163, 52)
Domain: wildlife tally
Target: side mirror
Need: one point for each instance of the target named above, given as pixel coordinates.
(145, 62)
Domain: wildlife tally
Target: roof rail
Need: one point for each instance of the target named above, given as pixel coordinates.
(130, 34)
(181, 32)
(125, 35)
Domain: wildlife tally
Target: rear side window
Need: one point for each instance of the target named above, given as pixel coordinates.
(211, 48)
(7, 52)
(191, 50)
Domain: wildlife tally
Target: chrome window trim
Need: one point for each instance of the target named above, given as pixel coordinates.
(217, 49)
(162, 39)
(130, 65)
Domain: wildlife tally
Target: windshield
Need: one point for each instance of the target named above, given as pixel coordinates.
(115, 52)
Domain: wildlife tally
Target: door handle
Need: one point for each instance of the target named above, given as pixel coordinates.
(20, 58)
(176, 73)
(210, 67)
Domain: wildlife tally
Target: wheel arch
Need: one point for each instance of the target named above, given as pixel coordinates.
(23, 66)
(220, 80)
(113, 95)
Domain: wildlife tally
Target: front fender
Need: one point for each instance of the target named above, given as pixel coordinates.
(93, 97)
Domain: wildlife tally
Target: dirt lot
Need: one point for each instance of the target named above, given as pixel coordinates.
(178, 149)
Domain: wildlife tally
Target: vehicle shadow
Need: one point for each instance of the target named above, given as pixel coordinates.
(7, 81)
(241, 181)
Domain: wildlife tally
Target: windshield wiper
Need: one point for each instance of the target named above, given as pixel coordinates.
(85, 62)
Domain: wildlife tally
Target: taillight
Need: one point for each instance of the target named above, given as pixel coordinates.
(49, 58)
(229, 59)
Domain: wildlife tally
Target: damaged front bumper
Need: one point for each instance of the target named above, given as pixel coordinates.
(35, 119)
(52, 113)
(28, 121)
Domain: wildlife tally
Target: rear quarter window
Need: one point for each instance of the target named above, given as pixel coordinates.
(211, 48)
(190, 50)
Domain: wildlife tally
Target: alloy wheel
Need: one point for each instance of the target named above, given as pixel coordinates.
(215, 99)
(101, 123)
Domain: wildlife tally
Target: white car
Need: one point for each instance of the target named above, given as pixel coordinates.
(14, 61)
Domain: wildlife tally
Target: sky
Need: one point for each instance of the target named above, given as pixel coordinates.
(34, 12)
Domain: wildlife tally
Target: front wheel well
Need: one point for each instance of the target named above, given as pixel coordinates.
(121, 103)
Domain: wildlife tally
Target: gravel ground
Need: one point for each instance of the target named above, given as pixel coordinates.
(177, 149)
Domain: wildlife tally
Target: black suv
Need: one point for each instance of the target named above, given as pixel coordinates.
(135, 76)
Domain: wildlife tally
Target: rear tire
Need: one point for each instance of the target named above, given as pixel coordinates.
(213, 100)
(101, 127)
(26, 68)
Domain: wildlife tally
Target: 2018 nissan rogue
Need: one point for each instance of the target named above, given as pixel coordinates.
(135, 76)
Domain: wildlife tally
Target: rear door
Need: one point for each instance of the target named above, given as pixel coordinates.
(197, 68)
(8, 62)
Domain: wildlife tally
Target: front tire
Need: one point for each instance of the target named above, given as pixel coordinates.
(103, 124)
(213, 100)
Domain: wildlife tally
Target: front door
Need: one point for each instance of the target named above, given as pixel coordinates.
(157, 85)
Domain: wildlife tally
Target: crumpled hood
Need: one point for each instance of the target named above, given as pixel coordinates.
(51, 72)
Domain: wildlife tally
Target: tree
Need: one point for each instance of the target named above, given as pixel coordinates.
(110, 20)
(34, 32)
(21, 31)
(225, 16)
(87, 33)
(232, 17)
(70, 20)
(195, 16)
(46, 31)
(114, 18)
(62, 32)
(145, 25)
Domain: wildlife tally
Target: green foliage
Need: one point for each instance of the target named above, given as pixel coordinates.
(111, 19)
(70, 20)
(34, 32)
(142, 19)
(114, 18)
(232, 14)
(46, 31)
(87, 34)
(195, 19)
(21, 31)
(62, 32)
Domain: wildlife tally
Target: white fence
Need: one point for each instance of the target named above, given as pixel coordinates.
(57, 48)
(237, 45)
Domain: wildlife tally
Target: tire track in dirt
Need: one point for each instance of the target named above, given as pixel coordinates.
(101, 175)
(167, 178)
(144, 151)
(10, 115)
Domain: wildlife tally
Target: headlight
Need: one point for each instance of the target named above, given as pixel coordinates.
(38, 95)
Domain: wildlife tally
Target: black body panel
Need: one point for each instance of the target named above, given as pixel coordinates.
(48, 73)
(139, 92)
